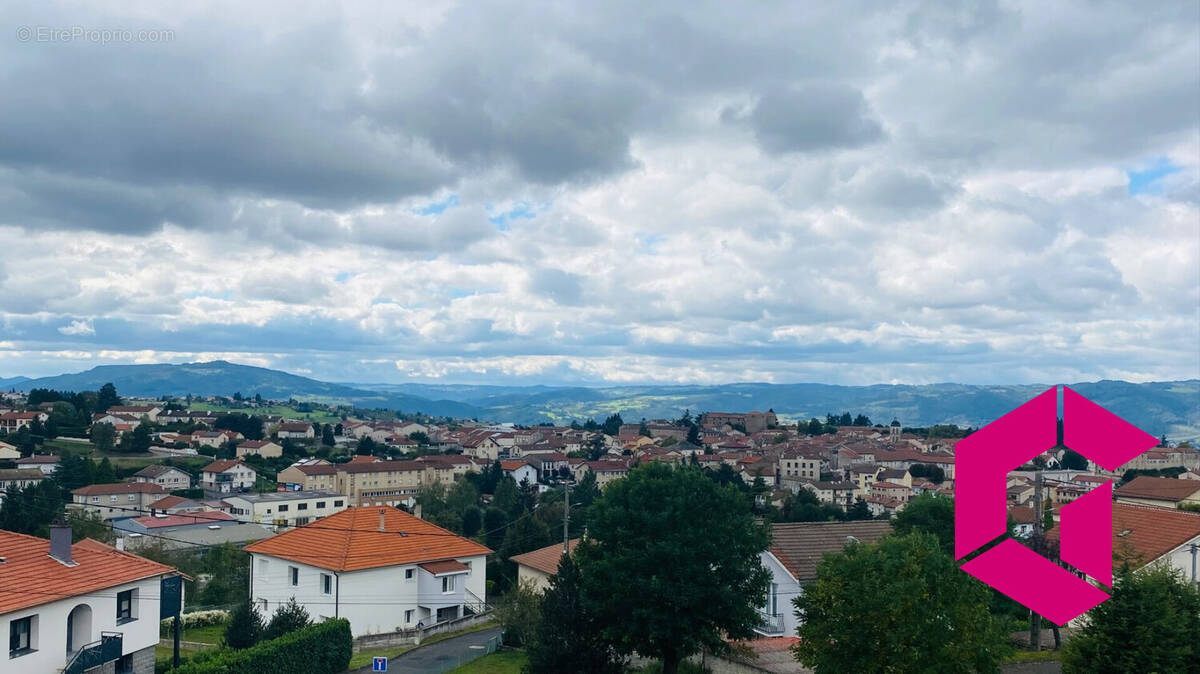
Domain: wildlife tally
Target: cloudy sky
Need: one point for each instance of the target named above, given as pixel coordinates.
(605, 192)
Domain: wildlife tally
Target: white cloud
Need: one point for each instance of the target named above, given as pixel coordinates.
(922, 194)
(78, 329)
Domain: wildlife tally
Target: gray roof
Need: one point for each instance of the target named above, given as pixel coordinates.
(276, 496)
(189, 538)
(799, 546)
(157, 469)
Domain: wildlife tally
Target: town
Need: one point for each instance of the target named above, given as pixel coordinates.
(412, 528)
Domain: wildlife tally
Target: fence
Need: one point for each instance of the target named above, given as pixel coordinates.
(371, 642)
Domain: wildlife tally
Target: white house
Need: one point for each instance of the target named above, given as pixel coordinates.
(228, 476)
(537, 566)
(520, 471)
(167, 477)
(47, 463)
(118, 499)
(796, 550)
(285, 508)
(296, 430)
(70, 604)
(379, 567)
(9, 452)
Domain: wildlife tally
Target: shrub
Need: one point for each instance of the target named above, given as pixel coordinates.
(324, 648)
(195, 619)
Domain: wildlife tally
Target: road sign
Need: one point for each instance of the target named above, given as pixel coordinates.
(379, 664)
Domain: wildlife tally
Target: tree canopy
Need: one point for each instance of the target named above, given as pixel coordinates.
(1151, 624)
(652, 575)
(901, 605)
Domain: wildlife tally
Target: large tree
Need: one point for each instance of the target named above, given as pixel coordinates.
(901, 605)
(1151, 624)
(930, 513)
(245, 626)
(671, 564)
(568, 638)
(107, 398)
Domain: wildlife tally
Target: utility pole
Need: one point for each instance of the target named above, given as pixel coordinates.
(566, 519)
(1035, 620)
(1195, 548)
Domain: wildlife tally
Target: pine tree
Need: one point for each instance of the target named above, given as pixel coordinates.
(567, 638)
(287, 618)
(245, 626)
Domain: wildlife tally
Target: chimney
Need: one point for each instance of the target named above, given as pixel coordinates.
(60, 543)
(121, 543)
(381, 526)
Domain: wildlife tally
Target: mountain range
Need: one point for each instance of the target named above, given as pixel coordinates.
(1170, 408)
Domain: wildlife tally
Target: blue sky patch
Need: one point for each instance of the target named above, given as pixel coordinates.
(1148, 181)
(438, 206)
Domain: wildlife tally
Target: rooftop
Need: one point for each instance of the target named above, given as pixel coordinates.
(42, 579)
(351, 540)
(1161, 488)
(799, 546)
(277, 496)
(544, 559)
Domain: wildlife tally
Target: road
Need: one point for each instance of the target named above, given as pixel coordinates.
(443, 655)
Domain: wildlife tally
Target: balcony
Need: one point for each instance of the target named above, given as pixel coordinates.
(770, 624)
(95, 654)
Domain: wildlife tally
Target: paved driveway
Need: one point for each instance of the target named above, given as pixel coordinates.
(444, 655)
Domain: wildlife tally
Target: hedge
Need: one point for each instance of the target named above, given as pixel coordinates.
(323, 648)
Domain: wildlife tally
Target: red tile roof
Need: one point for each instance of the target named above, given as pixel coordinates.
(120, 488)
(544, 559)
(1142, 534)
(1161, 488)
(224, 465)
(351, 540)
(152, 522)
(32, 577)
(444, 566)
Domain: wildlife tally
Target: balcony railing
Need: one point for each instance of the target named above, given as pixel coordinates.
(95, 654)
(770, 624)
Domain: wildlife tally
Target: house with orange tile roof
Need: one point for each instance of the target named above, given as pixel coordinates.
(792, 559)
(228, 476)
(381, 568)
(536, 567)
(66, 604)
(1145, 535)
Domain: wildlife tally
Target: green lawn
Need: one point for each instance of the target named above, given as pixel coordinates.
(504, 662)
(278, 410)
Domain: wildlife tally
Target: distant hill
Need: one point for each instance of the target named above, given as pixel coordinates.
(1172, 408)
(223, 378)
(7, 383)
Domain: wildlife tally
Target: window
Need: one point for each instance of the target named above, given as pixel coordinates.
(320, 504)
(125, 664)
(20, 637)
(125, 607)
(302, 506)
(294, 575)
(408, 574)
(301, 521)
(338, 504)
(326, 583)
(132, 498)
(283, 508)
(113, 498)
(408, 616)
(447, 584)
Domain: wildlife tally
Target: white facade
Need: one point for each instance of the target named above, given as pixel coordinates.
(375, 601)
(285, 509)
(778, 602)
(229, 480)
(90, 615)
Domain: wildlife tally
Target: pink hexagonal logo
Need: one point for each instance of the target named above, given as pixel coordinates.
(982, 463)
